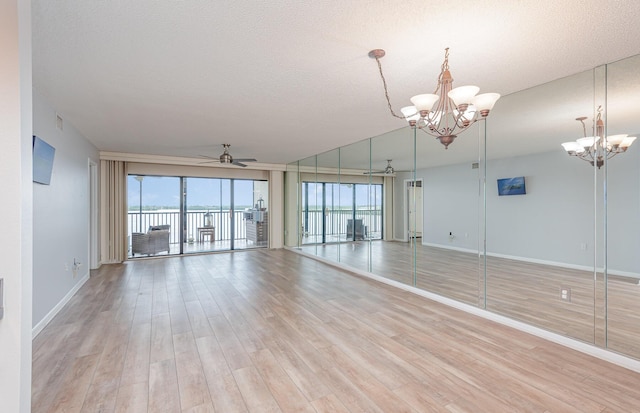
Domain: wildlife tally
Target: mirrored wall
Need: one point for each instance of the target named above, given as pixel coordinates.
(504, 219)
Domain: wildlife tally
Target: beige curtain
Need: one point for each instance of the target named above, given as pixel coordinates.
(113, 211)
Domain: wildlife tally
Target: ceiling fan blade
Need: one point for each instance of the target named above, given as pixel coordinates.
(238, 163)
(244, 160)
(374, 172)
(209, 159)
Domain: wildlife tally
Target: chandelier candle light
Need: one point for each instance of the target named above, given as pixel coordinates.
(446, 112)
(594, 149)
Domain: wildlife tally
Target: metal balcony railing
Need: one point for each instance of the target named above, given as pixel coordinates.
(336, 222)
(221, 220)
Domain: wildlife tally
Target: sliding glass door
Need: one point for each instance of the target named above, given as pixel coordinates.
(181, 215)
(153, 215)
(251, 224)
(206, 210)
(335, 212)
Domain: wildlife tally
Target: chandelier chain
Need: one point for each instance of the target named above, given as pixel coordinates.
(443, 68)
(386, 92)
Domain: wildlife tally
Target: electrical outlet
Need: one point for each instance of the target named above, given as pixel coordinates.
(451, 236)
(565, 294)
(583, 246)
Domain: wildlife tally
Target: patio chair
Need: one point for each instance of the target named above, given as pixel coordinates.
(152, 242)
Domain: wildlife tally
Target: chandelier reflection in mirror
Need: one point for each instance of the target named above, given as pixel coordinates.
(595, 149)
(446, 112)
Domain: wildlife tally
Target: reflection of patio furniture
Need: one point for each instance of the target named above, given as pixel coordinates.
(361, 230)
(153, 242)
(207, 232)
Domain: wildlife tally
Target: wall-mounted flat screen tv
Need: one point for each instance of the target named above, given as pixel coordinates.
(43, 155)
(511, 186)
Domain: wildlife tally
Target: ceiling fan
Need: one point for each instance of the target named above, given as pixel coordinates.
(388, 170)
(226, 157)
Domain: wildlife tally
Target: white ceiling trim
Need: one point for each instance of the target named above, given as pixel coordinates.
(185, 161)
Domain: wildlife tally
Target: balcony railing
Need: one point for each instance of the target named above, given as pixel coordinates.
(221, 220)
(336, 222)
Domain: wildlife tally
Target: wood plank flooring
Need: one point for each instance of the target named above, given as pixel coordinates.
(273, 331)
(520, 290)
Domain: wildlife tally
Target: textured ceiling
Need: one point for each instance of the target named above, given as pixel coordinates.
(281, 80)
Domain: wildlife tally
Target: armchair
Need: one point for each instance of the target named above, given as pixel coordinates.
(153, 242)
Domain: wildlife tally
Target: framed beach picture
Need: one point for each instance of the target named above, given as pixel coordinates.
(512, 186)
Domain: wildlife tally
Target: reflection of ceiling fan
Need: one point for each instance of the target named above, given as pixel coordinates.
(388, 170)
(227, 158)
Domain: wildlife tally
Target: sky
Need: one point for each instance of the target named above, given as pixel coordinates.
(213, 192)
(165, 191)
(341, 195)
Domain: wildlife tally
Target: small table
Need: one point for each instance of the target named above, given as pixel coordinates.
(207, 232)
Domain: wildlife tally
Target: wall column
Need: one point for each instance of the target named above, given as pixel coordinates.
(16, 211)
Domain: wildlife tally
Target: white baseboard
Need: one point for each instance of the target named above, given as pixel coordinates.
(598, 352)
(450, 247)
(37, 329)
(537, 261)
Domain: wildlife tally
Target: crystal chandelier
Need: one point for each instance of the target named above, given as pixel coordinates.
(446, 112)
(594, 149)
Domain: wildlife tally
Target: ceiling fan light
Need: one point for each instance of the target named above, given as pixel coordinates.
(588, 141)
(626, 142)
(484, 102)
(425, 101)
(463, 94)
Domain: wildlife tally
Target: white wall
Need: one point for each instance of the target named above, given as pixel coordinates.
(15, 175)
(553, 219)
(60, 215)
(276, 209)
(623, 211)
(292, 200)
(451, 205)
(553, 222)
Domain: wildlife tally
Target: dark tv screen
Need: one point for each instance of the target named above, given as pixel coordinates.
(43, 155)
(511, 186)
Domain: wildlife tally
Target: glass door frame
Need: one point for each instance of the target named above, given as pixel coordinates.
(182, 220)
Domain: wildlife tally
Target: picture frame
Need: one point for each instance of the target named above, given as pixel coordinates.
(512, 186)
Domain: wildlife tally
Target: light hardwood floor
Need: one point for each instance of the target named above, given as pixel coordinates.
(271, 331)
(524, 291)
